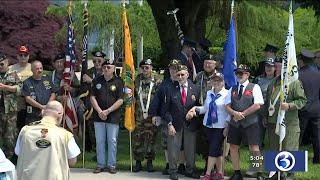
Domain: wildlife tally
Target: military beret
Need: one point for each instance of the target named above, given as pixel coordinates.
(174, 62)
(306, 55)
(182, 68)
(208, 57)
(145, 62)
(243, 68)
(189, 43)
(98, 54)
(271, 48)
(2, 57)
(23, 49)
(269, 61)
(108, 62)
(59, 56)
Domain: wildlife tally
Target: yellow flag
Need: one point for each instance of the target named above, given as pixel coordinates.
(128, 76)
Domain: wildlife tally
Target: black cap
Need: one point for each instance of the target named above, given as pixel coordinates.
(271, 48)
(243, 68)
(182, 68)
(189, 43)
(145, 62)
(59, 56)
(219, 56)
(205, 44)
(269, 61)
(98, 54)
(306, 55)
(2, 57)
(108, 62)
(174, 62)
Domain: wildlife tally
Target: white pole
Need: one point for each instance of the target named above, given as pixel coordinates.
(140, 41)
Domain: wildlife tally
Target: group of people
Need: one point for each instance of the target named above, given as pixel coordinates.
(193, 110)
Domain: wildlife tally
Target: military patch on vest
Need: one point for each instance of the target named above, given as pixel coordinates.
(44, 132)
(47, 84)
(113, 88)
(98, 86)
(34, 123)
(43, 143)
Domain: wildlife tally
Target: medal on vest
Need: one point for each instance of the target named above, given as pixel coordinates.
(145, 108)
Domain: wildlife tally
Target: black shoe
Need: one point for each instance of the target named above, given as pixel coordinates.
(138, 167)
(260, 177)
(236, 177)
(193, 175)
(181, 169)
(174, 176)
(150, 166)
(165, 171)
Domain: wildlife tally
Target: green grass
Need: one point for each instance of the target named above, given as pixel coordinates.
(123, 159)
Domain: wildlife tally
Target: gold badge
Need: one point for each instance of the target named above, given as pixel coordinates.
(113, 88)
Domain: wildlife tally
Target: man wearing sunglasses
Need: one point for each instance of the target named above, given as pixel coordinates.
(10, 88)
(180, 98)
(95, 71)
(106, 96)
(23, 68)
(242, 103)
(144, 134)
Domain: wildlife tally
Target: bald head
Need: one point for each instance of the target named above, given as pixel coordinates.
(37, 69)
(54, 109)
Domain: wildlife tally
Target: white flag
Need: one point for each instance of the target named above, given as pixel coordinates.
(289, 73)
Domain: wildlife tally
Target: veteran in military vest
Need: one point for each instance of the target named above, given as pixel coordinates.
(10, 88)
(44, 149)
(144, 135)
(243, 102)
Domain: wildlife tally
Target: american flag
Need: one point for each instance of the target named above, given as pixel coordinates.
(70, 111)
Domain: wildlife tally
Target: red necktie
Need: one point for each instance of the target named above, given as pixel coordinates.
(184, 95)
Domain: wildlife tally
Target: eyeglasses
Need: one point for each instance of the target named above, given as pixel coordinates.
(107, 67)
(1, 64)
(181, 75)
(96, 61)
(23, 55)
(240, 73)
(144, 67)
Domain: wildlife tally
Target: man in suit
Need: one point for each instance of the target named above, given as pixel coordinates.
(185, 56)
(202, 50)
(179, 100)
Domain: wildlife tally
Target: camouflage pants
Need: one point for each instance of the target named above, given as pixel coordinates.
(289, 143)
(144, 139)
(8, 132)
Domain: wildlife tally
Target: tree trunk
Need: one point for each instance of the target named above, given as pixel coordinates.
(191, 16)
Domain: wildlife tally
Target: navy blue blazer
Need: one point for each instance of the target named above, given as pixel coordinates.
(176, 112)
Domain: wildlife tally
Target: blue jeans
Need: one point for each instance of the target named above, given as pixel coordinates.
(109, 132)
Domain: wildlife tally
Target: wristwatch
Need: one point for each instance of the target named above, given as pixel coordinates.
(109, 110)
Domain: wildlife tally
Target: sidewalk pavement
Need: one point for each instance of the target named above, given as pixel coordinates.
(86, 174)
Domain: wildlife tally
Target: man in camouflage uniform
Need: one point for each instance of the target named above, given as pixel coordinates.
(144, 135)
(96, 70)
(10, 88)
(203, 81)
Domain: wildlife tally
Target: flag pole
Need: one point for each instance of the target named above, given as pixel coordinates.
(130, 135)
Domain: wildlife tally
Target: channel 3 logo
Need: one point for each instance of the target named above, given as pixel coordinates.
(286, 161)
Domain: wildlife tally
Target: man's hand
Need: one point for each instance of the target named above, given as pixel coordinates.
(284, 106)
(87, 79)
(104, 114)
(67, 87)
(171, 130)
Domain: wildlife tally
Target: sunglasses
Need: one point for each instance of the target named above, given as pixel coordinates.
(144, 67)
(107, 67)
(181, 75)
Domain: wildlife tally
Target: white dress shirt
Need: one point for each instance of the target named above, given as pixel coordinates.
(256, 93)
(223, 115)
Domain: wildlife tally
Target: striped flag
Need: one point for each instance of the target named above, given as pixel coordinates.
(289, 74)
(128, 75)
(71, 120)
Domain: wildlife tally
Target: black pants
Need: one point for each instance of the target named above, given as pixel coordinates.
(309, 123)
(21, 119)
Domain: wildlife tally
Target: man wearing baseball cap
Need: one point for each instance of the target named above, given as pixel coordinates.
(23, 69)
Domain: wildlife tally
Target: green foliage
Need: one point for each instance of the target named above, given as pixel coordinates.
(259, 23)
(106, 17)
